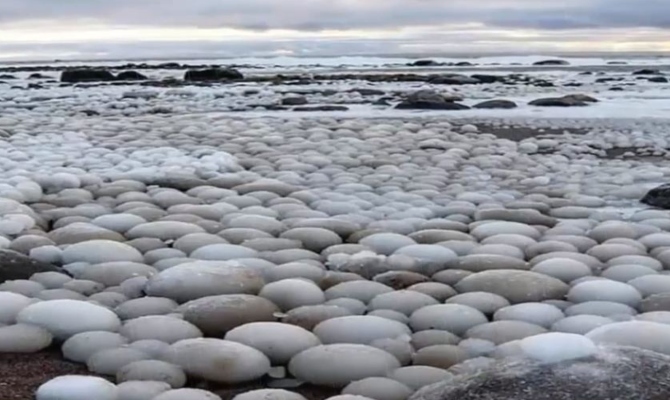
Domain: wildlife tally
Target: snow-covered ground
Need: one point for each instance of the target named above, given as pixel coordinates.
(358, 250)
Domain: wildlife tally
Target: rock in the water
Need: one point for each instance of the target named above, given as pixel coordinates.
(86, 75)
(551, 62)
(131, 76)
(213, 74)
(612, 373)
(565, 101)
(429, 100)
(658, 197)
(15, 266)
(495, 104)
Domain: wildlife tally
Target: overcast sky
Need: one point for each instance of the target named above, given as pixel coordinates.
(153, 28)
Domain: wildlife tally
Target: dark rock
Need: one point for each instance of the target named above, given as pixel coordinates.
(429, 100)
(424, 63)
(7, 76)
(658, 79)
(551, 62)
(464, 64)
(453, 80)
(424, 105)
(178, 182)
(35, 86)
(586, 73)
(86, 75)
(131, 76)
(322, 108)
(488, 78)
(613, 373)
(90, 113)
(294, 101)
(609, 79)
(213, 74)
(368, 92)
(616, 89)
(496, 104)
(384, 101)
(565, 101)
(38, 76)
(573, 84)
(581, 97)
(647, 71)
(658, 197)
(543, 84)
(617, 63)
(15, 266)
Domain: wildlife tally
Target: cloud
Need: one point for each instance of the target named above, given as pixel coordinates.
(314, 15)
(114, 28)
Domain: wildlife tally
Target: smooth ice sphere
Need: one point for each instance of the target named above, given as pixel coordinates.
(223, 252)
(187, 394)
(359, 329)
(540, 314)
(278, 341)
(120, 223)
(163, 230)
(65, 318)
(141, 390)
(203, 358)
(600, 308)
(309, 316)
(454, 318)
(580, 324)
(145, 306)
(100, 251)
(363, 291)
(386, 243)
(198, 279)
(158, 327)
(379, 388)
(21, 338)
(109, 361)
(500, 332)
(403, 301)
(77, 387)
(488, 229)
(515, 286)
(337, 365)
(152, 370)
(113, 273)
(487, 303)
(288, 294)
(549, 348)
(564, 269)
(269, 394)
(10, 306)
(605, 290)
(646, 335)
(418, 376)
(314, 239)
(82, 346)
(216, 315)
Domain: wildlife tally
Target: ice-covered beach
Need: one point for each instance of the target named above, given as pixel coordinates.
(335, 228)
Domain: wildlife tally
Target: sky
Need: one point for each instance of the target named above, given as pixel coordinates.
(90, 29)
